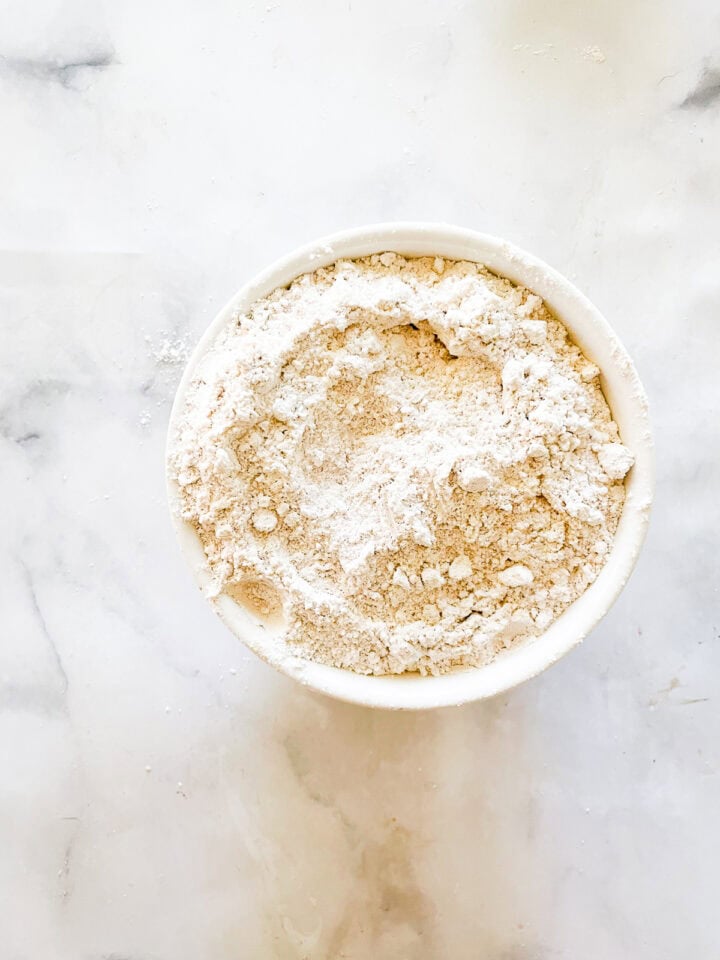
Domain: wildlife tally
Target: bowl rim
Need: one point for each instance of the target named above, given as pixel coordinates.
(623, 391)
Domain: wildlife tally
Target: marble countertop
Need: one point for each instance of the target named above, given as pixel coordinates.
(165, 795)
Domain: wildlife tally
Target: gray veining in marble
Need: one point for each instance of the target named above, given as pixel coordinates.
(707, 90)
(166, 796)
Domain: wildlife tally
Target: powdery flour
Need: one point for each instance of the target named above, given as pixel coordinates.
(400, 464)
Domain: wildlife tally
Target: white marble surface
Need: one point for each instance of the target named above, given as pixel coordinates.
(164, 795)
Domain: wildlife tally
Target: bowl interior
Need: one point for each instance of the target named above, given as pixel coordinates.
(624, 394)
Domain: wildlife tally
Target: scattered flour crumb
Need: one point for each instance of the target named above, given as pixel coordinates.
(460, 568)
(516, 576)
(615, 459)
(169, 350)
(593, 53)
(264, 520)
(431, 578)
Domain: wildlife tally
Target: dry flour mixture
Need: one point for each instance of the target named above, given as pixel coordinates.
(400, 464)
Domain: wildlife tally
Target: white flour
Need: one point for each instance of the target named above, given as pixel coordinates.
(400, 464)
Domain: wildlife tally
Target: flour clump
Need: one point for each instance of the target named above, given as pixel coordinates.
(399, 464)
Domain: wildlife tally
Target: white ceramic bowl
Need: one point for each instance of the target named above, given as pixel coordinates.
(624, 393)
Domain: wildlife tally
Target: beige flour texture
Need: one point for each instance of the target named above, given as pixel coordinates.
(399, 465)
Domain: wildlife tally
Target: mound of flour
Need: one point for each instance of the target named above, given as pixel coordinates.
(399, 464)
